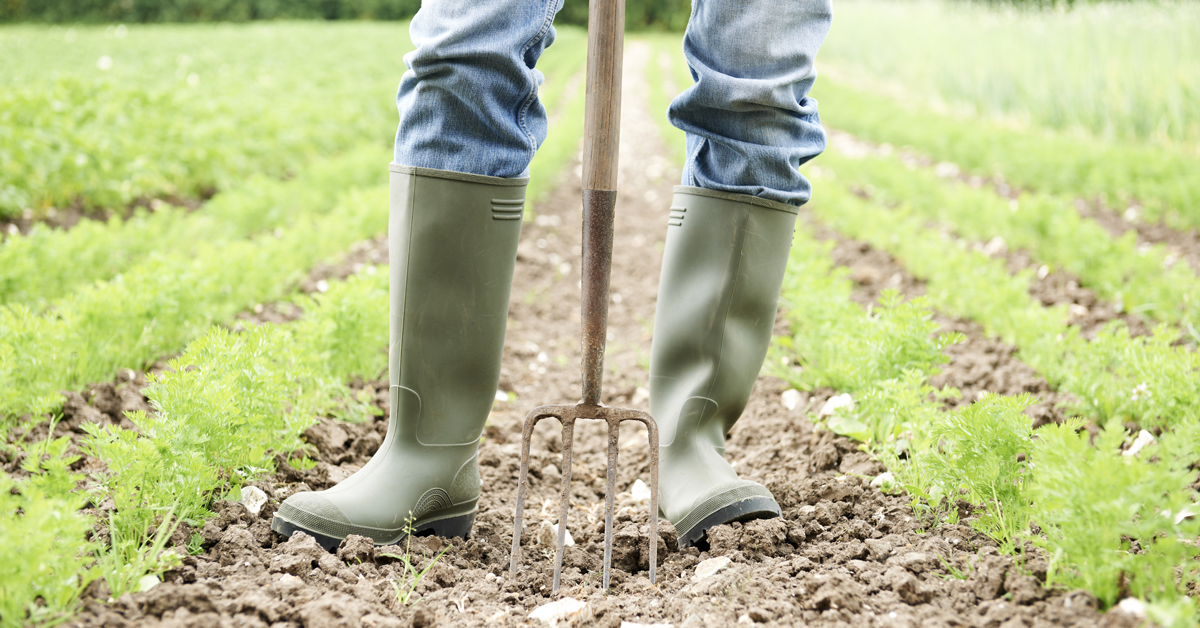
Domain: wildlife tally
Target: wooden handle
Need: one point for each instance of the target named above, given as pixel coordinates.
(602, 118)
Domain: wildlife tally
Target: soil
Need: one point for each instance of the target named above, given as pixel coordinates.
(1181, 244)
(77, 211)
(844, 553)
(978, 365)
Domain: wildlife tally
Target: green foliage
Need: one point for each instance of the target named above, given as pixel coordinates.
(882, 358)
(44, 556)
(405, 587)
(1102, 374)
(1090, 502)
(1140, 279)
(183, 110)
(1122, 71)
(222, 410)
(1093, 503)
(129, 560)
(48, 263)
(1157, 179)
(217, 411)
(163, 302)
(979, 449)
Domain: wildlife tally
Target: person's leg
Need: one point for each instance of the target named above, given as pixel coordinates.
(469, 125)
(468, 102)
(749, 121)
(750, 124)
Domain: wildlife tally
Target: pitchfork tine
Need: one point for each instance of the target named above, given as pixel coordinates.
(568, 437)
(526, 441)
(614, 435)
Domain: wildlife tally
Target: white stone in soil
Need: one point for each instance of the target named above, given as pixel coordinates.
(548, 535)
(790, 398)
(563, 610)
(884, 480)
(836, 403)
(147, 582)
(501, 396)
(639, 491)
(1187, 513)
(707, 568)
(630, 624)
(1143, 438)
(253, 498)
(1133, 606)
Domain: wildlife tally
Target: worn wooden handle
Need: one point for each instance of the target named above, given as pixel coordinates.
(602, 120)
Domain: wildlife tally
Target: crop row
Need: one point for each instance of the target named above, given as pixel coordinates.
(222, 411)
(100, 118)
(159, 304)
(1160, 180)
(1145, 280)
(1120, 70)
(1103, 374)
(187, 109)
(46, 264)
(1088, 501)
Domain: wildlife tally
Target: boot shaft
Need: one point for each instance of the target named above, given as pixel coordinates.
(723, 267)
(453, 242)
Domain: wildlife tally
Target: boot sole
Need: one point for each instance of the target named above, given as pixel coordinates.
(458, 526)
(756, 507)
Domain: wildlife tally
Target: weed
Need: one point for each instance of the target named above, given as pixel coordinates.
(406, 586)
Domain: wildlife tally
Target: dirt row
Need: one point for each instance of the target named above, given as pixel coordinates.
(844, 554)
(1182, 245)
(78, 211)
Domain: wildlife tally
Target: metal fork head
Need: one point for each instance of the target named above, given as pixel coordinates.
(567, 415)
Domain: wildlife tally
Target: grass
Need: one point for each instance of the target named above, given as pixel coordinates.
(1118, 71)
(183, 108)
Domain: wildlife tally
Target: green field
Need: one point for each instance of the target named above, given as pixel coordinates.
(281, 132)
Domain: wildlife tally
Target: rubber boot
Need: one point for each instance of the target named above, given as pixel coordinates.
(453, 246)
(722, 270)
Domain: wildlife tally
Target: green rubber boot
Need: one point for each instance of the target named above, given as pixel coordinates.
(722, 271)
(453, 246)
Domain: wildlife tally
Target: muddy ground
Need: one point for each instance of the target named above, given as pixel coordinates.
(844, 553)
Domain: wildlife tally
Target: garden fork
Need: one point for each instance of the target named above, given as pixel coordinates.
(606, 23)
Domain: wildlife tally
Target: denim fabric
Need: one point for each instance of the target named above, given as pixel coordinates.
(748, 118)
(468, 101)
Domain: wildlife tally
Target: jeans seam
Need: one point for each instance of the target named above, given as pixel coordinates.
(547, 22)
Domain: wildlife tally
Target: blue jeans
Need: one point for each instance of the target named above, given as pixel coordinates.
(468, 101)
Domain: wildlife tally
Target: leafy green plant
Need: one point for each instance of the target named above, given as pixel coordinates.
(157, 306)
(1093, 503)
(44, 554)
(405, 587)
(1125, 71)
(981, 449)
(223, 409)
(131, 558)
(46, 264)
(1142, 279)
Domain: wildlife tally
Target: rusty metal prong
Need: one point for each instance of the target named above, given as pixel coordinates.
(614, 435)
(531, 420)
(568, 436)
(567, 415)
(652, 434)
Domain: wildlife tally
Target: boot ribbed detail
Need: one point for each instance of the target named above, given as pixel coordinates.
(723, 267)
(453, 244)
